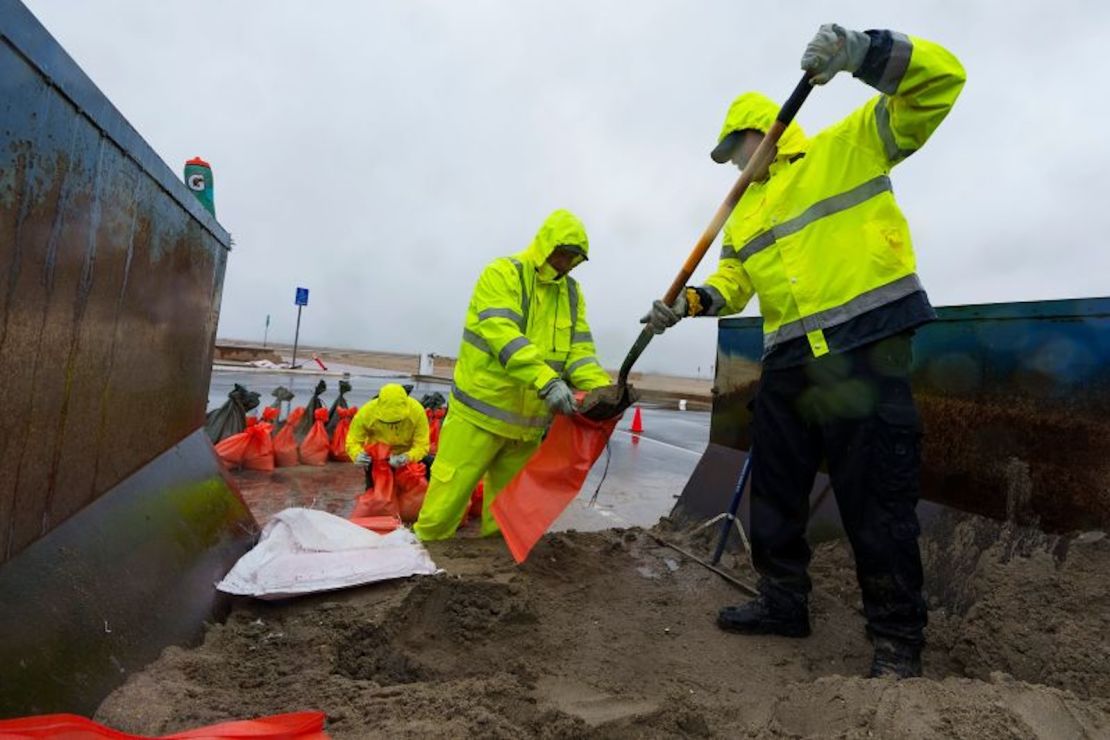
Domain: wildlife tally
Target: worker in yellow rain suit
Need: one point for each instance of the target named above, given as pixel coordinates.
(820, 239)
(396, 419)
(526, 344)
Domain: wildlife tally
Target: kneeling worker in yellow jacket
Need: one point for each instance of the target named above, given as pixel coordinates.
(525, 345)
(394, 418)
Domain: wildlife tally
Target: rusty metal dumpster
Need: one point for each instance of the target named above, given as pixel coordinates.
(108, 310)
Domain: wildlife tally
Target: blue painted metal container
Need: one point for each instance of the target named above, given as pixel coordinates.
(1015, 399)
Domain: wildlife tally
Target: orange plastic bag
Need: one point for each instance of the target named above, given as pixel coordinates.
(232, 449)
(379, 500)
(294, 417)
(338, 447)
(379, 524)
(260, 450)
(285, 441)
(435, 424)
(410, 485)
(475, 508)
(285, 447)
(536, 497)
(292, 726)
(251, 449)
(315, 447)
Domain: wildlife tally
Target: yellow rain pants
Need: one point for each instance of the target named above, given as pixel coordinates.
(466, 453)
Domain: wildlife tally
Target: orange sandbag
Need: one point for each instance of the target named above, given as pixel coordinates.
(260, 451)
(550, 480)
(435, 425)
(231, 449)
(292, 726)
(338, 447)
(316, 445)
(410, 485)
(475, 507)
(379, 524)
(251, 449)
(379, 500)
(285, 447)
(295, 416)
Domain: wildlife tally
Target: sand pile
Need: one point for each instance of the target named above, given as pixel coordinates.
(611, 635)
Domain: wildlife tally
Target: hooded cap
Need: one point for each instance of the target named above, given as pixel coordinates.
(393, 403)
(757, 112)
(561, 229)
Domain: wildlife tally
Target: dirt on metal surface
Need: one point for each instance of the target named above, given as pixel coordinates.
(1010, 459)
(608, 634)
(1013, 459)
(111, 293)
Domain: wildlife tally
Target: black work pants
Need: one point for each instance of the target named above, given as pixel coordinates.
(427, 460)
(854, 410)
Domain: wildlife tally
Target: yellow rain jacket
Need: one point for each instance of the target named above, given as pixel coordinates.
(394, 418)
(525, 327)
(822, 241)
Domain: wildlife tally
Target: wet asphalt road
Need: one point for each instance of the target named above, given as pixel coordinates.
(365, 384)
(646, 472)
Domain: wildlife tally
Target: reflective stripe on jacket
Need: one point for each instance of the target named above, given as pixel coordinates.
(822, 241)
(525, 327)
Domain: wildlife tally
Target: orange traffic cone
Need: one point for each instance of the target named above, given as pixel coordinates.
(637, 422)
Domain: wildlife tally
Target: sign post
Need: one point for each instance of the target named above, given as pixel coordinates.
(301, 300)
(266, 334)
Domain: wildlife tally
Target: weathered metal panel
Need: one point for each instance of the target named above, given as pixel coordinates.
(111, 299)
(101, 595)
(1015, 398)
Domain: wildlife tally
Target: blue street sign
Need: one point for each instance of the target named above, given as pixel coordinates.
(302, 297)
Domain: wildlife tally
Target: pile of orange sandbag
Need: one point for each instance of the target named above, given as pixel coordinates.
(396, 494)
(311, 435)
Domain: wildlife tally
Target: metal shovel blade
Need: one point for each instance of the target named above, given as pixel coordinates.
(605, 403)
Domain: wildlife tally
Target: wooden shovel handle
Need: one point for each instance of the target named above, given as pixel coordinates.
(760, 160)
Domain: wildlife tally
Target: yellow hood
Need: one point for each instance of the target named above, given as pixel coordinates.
(393, 403)
(560, 228)
(754, 110)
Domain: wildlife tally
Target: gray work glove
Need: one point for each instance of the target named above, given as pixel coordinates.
(396, 461)
(834, 49)
(558, 397)
(662, 317)
(363, 459)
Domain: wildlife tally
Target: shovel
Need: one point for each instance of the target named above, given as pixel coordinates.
(605, 403)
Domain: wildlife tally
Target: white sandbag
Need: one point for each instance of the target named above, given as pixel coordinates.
(304, 551)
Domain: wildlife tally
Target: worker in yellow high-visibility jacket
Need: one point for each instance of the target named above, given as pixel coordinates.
(822, 242)
(526, 347)
(393, 418)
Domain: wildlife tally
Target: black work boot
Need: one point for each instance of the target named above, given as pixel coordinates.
(762, 616)
(895, 659)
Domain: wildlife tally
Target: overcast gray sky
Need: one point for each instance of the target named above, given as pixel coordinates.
(380, 153)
